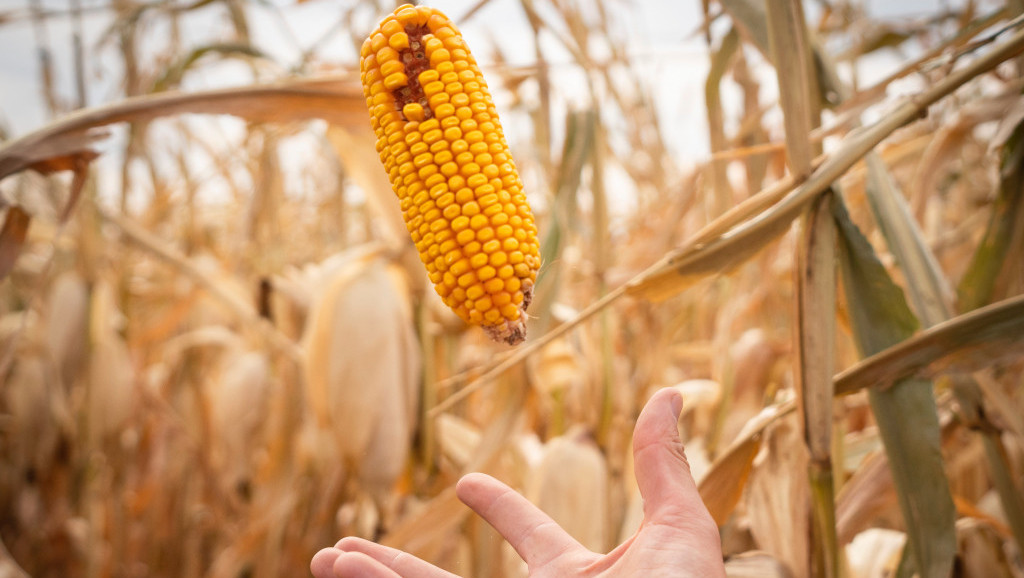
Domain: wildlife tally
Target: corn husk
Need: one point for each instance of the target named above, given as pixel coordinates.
(777, 500)
(362, 369)
(66, 323)
(984, 550)
(570, 484)
(238, 406)
(875, 553)
(112, 376)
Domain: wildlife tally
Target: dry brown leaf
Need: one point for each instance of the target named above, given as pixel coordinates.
(982, 551)
(73, 148)
(427, 533)
(867, 497)
(68, 141)
(723, 485)
(207, 336)
(976, 340)
(12, 238)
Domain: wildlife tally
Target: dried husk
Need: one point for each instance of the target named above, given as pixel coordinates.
(362, 367)
(875, 553)
(67, 315)
(238, 406)
(570, 484)
(985, 551)
(777, 500)
(112, 376)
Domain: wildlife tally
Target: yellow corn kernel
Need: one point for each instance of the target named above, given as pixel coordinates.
(441, 143)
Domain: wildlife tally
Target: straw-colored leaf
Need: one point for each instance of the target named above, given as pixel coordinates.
(948, 143)
(355, 145)
(431, 528)
(686, 265)
(427, 533)
(791, 51)
(750, 16)
(986, 337)
(69, 137)
(720, 61)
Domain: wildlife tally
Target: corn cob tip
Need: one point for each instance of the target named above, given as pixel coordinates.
(512, 332)
(509, 332)
(441, 143)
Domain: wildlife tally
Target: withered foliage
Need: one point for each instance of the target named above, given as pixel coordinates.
(219, 352)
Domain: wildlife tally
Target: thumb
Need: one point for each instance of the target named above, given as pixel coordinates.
(662, 472)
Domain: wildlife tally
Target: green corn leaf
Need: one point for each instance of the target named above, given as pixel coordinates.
(905, 413)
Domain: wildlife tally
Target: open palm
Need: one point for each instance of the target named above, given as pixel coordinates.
(677, 536)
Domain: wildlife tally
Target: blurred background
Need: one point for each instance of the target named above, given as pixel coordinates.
(219, 352)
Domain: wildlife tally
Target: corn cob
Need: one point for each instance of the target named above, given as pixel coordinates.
(442, 146)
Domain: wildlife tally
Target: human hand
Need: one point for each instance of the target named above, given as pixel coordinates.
(676, 538)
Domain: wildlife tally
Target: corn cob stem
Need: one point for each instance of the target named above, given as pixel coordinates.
(441, 143)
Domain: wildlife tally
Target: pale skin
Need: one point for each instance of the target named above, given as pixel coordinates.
(676, 538)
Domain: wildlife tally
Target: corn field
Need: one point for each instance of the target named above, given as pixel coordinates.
(220, 352)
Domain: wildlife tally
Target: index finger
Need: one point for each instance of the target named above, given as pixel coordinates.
(535, 536)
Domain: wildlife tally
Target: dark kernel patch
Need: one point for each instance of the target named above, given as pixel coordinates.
(415, 60)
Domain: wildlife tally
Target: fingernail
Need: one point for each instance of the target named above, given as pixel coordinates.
(677, 404)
